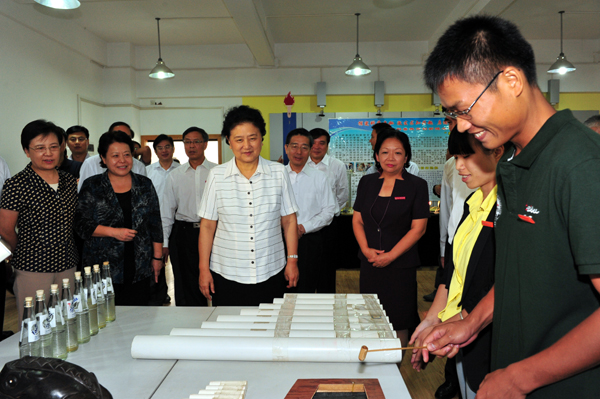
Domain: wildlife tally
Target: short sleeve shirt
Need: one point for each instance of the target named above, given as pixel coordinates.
(546, 246)
(248, 246)
(45, 222)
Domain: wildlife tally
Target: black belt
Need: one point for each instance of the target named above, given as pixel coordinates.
(187, 225)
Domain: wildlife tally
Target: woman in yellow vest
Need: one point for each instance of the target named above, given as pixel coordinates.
(470, 273)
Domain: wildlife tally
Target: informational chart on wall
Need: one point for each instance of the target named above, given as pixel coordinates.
(428, 139)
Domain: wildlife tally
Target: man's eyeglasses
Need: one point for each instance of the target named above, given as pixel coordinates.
(465, 114)
(40, 149)
(164, 147)
(295, 146)
(76, 139)
(190, 142)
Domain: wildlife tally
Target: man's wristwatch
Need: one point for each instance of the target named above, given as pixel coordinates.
(293, 256)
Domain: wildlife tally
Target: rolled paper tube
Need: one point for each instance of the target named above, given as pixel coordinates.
(277, 306)
(310, 312)
(268, 326)
(228, 383)
(274, 319)
(216, 395)
(303, 301)
(209, 332)
(330, 296)
(261, 349)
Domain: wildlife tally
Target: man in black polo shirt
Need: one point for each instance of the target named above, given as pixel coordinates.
(545, 303)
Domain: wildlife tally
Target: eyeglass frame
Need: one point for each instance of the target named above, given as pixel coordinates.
(75, 139)
(43, 150)
(465, 114)
(301, 147)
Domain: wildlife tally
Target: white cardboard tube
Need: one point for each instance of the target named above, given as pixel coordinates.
(262, 349)
(209, 332)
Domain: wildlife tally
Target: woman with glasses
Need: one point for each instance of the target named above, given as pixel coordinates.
(40, 203)
(118, 216)
(390, 216)
(469, 274)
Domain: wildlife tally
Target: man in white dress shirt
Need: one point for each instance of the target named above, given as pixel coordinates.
(78, 140)
(338, 178)
(158, 172)
(183, 191)
(91, 166)
(413, 168)
(317, 207)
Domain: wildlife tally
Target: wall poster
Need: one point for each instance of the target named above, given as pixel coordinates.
(428, 139)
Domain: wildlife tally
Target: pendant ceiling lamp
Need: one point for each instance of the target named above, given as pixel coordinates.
(60, 4)
(358, 67)
(561, 65)
(160, 71)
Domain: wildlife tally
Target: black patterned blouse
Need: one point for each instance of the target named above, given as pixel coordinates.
(45, 222)
(98, 205)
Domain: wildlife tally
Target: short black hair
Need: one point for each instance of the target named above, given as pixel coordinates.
(40, 127)
(318, 132)
(243, 114)
(393, 134)
(78, 129)
(195, 129)
(592, 121)
(474, 49)
(114, 125)
(381, 126)
(299, 132)
(162, 137)
(112, 137)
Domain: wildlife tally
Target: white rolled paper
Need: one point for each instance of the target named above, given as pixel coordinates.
(209, 332)
(262, 349)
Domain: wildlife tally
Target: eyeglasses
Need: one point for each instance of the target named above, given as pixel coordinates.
(76, 139)
(165, 147)
(40, 149)
(465, 114)
(296, 146)
(190, 142)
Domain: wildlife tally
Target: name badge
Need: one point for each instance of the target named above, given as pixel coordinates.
(399, 198)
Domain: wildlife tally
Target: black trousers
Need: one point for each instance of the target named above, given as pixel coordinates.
(326, 283)
(310, 263)
(232, 293)
(183, 249)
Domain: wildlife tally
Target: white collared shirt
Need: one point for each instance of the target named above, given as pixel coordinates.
(338, 177)
(4, 173)
(181, 197)
(91, 167)
(248, 246)
(158, 175)
(314, 198)
(452, 200)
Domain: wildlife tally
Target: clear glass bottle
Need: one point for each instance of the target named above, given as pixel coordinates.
(100, 300)
(82, 314)
(57, 322)
(41, 315)
(90, 295)
(109, 292)
(68, 311)
(29, 344)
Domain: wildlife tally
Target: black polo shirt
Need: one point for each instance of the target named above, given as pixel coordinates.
(45, 222)
(547, 243)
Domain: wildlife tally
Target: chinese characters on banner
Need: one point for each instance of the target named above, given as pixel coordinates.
(428, 140)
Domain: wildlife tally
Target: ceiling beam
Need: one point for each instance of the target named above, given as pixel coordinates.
(248, 20)
(467, 8)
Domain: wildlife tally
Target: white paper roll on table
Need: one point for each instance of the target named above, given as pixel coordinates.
(210, 332)
(262, 349)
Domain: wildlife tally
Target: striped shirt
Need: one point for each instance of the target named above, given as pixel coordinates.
(248, 245)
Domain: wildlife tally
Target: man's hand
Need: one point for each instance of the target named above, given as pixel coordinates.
(301, 231)
(207, 285)
(165, 254)
(447, 338)
(291, 272)
(501, 383)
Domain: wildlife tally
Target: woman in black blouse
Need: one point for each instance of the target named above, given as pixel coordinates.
(40, 202)
(390, 216)
(118, 216)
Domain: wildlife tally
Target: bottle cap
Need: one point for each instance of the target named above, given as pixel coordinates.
(65, 282)
(53, 287)
(39, 293)
(28, 301)
(88, 270)
(96, 268)
(77, 275)
(105, 262)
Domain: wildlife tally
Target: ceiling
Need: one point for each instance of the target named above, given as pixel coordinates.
(262, 23)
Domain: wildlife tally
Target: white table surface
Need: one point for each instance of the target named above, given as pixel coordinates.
(108, 356)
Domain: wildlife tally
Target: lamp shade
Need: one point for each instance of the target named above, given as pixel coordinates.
(60, 4)
(358, 67)
(561, 66)
(161, 71)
